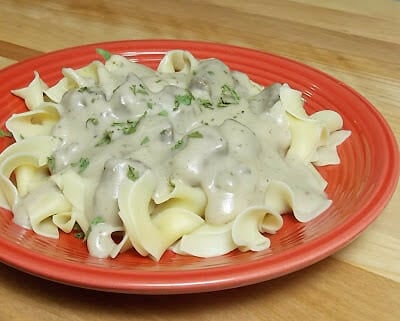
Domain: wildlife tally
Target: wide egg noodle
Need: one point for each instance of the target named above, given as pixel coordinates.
(83, 77)
(248, 226)
(100, 242)
(106, 81)
(146, 236)
(307, 134)
(74, 189)
(281, 198)
(31, 151)
(37, 122)
(314, 137)
(206, 241)
(56, 92)
(40, 206)
(29, 177)
(120, 67)
(183, 196)
(33, 93)
(177, 61)
(327, 154)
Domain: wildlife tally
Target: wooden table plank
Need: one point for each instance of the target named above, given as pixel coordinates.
(298, 296)
(16, 52)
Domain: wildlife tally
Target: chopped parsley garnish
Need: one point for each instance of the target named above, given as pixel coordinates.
(149, 105)
(94, 221)
(228, 97)
(145, 140)
(132, 173)
(3, 133)
(51, 163)
(92, 120)
(104, 53)
(171, 183)
(210, 72)
(139, 89)
(183, 99)
(205, 103)
(163, 113)
(116, 88)
(83, 89)
(129, 127)
(97, 220)
(195, 134)
(179, 144)
(106, 139)
(83, 163)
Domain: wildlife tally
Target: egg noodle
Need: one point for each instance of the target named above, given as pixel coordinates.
(192, 157)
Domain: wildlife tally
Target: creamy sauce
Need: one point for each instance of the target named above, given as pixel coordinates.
(212, 128)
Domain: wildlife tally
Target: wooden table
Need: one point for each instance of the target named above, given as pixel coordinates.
(357, 42)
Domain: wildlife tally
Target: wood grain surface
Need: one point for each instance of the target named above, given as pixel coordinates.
(357, 42)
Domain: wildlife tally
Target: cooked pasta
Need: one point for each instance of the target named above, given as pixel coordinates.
(192, 157)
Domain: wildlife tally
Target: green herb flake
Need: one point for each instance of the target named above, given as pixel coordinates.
(180, 143)
(94, 221)
(226, 90)
(222, 103)
(104, 53)
(149, 105)
(97, 220)
(132, 173)
(92, 120)
(210, 72)
(183, 99)
(195, 134)
(3, 133)
(129, 127)
(106, 139)
(83, 89)
(163, 113)
(83, 163)
(228, 97)
(51, 163)
(205, 103)
(145, 140)
(171, 183)
(139, 89)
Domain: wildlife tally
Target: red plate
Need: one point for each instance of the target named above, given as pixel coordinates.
(360, 186)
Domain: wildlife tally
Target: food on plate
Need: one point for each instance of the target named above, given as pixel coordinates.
(192, 157)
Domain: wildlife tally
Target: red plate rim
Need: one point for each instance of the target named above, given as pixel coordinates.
(213, 278)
